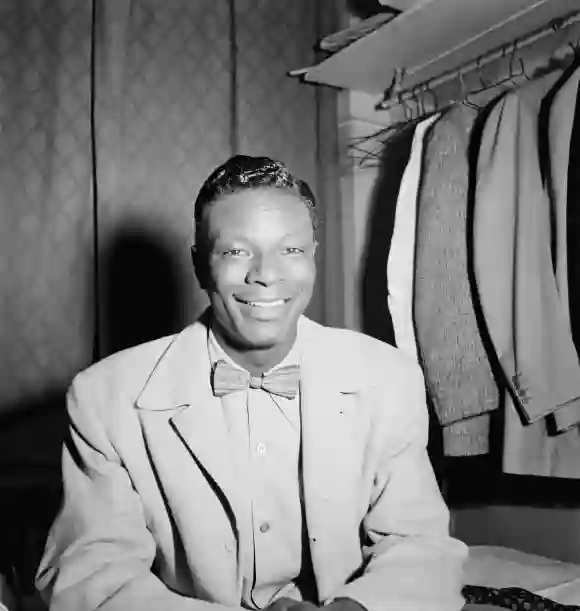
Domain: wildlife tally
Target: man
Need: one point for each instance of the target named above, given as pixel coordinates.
(256, 459)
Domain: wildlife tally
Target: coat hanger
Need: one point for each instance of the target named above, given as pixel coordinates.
(513, 75)
(465, 94)
(522, 64)
(575, 46)
(483, 84)
(428, 89)
(417, 102)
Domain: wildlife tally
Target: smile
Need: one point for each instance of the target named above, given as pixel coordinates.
(265, 304)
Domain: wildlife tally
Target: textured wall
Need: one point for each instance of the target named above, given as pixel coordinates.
(96, 192)
(162, 121)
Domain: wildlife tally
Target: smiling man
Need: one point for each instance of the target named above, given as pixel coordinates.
(257, 459)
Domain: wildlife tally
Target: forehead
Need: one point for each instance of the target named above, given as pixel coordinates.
(258, 212)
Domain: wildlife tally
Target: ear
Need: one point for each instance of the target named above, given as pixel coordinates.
(199, 260)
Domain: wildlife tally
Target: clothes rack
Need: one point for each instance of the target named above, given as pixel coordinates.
(396, 92)
(366, 150)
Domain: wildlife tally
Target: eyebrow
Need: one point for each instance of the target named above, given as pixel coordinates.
(245, 239)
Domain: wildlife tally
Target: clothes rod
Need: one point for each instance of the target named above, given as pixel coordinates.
(396, 94)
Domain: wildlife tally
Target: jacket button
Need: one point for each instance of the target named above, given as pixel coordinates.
(264, 527)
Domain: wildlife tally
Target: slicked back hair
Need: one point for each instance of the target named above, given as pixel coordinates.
(243, 172)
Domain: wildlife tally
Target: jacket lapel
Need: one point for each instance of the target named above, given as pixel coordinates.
(180, 385)
(330, 397)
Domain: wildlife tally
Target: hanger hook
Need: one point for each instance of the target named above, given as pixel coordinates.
(420, 101)
(521, 63)
(512, 70)
(484, 84)
(523, 69)
(401, 100)
(428, 89)
(462, 83)
(464, 94)
(413, 99)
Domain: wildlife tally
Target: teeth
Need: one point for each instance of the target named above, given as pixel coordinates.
(265, 304)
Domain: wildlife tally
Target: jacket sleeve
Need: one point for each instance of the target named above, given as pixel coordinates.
(99, 552)
(411, 562)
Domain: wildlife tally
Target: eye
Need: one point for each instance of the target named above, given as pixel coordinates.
(235, 252)
(294, 250)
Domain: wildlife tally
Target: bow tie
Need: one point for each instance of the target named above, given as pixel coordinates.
(282, 381)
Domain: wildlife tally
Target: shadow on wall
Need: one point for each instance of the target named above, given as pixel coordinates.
(143, 295)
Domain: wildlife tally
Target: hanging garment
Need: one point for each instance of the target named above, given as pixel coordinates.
(376, 318)
(562, 104)
(518, 292)
(457, 370)
(554, 134)
(401, 259)
(573, 226)
(561, 121)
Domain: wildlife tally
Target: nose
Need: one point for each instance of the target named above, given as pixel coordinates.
(264, 269)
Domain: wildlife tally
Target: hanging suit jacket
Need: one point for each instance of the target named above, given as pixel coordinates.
(151, 506)
(457, 370)
(573, 221)
(559, 128)
(518, 290)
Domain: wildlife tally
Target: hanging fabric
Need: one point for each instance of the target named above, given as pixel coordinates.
(554, 133)
(572, 236)
(376, 316)
(518, 292)
(457, 370)
(401, 259)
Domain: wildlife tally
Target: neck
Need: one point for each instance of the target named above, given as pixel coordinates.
(258, 360)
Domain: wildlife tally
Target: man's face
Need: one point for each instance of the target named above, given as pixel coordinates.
(261, 267)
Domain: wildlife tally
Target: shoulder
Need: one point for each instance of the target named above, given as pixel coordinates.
(390, 383)
(358, 351)
(127, 368)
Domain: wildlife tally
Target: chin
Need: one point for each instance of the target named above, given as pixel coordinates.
(255, 333)
(265, 336)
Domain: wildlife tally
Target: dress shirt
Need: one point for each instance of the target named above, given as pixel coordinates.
(401, 260)
(265, 434)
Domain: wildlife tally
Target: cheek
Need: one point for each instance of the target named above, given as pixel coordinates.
(228, 274)
(303, 273)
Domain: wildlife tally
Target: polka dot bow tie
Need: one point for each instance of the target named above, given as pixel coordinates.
(283, 381)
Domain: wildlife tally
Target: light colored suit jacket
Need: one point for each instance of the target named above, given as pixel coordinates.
(518, 290)
(151, 509)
